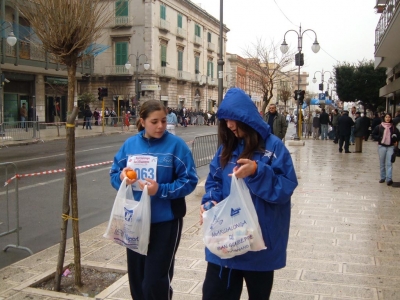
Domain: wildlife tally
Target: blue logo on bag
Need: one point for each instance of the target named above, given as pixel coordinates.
(128, 214)
(235, 212)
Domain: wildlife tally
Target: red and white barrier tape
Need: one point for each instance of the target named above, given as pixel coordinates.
(55, 171)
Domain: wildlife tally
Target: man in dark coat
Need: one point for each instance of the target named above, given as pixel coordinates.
(360, 130)
(324, 120)
(344, 129)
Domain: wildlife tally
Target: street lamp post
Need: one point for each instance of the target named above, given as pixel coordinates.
(146, 66)
(330, 80)
(220, 61)
(299, 62)
(11, 40)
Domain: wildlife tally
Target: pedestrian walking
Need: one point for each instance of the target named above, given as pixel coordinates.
(345, 125)
(164, 162)
(276, 121)
(324, 121)
(88, 117)
(316, 125)
(172, 121)
(334, 122)
(387, 136)
(250, 151)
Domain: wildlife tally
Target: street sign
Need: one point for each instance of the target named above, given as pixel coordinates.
(151, 87)
(321, 96)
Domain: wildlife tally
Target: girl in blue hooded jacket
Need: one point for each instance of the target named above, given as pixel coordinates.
(164, 162)
(250, 151)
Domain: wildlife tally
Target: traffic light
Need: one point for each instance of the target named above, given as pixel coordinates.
(301, 97)
(100, 94)
(295, 94)
(321, 87)
(104, 92)
(299, 59)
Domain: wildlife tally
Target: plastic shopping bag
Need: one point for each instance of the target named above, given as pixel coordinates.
(231, 227)
(130, 220)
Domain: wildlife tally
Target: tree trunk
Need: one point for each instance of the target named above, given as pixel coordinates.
(70, 186)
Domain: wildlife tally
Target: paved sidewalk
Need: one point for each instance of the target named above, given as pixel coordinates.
(344, 238)
(58, 132)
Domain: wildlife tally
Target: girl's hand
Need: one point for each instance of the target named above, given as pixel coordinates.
(203, 210)
(122, 175)
(247, 167)
(152, 186)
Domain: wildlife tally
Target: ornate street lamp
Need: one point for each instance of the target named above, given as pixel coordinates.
(299, 62)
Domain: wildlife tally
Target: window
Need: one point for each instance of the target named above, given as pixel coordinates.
(180, 60)
(179, 21)
(163, 12)
(121, 8)
(163, 55)
(121, 53)
(196, 64)
(210, 69)
(197, 30)
(209, 37)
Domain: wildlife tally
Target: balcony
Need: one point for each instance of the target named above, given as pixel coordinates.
(125, 21)
(183, 75)
(118, 70)
(212, 81)
(164, 25)
(387, 39)
(181, 32)
(211, 46)
(166, 72)
(198, 40)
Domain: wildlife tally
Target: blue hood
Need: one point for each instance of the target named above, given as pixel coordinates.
(238, 106)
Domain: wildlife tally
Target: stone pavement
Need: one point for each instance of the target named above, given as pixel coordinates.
(344, 237)
(58, 132)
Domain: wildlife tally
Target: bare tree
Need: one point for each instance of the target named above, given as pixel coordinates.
(66, 29)
(267, 63)
(285, 92)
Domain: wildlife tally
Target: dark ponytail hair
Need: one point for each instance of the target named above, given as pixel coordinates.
(147, 108)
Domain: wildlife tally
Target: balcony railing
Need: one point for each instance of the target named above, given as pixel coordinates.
(117, 70)
(181, 32)
(183, 75)
(123, 21)
(384, 21)
(167, 72)
(197, 40)
(211, 46)
(164, 25)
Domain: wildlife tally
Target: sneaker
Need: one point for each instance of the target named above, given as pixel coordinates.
(390, 182)
(382, 181)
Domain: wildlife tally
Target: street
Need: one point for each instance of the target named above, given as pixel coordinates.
(40, 197)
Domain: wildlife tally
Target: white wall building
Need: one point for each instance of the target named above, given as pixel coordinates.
(176, 37)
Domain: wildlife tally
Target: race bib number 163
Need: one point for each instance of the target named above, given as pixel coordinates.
(145, 166)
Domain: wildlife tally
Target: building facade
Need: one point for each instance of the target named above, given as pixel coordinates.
(29, 75)
(387, 54)
(176, 38)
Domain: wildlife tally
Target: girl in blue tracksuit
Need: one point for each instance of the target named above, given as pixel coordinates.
(164, 162)
(250, 151)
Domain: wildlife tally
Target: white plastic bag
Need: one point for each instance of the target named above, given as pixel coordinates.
(231, 227)
(130, 220)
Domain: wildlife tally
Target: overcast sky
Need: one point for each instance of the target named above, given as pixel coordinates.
(345, 28)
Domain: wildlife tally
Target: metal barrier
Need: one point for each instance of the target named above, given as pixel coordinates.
(20, 131)
(204, 149)
(7, 214)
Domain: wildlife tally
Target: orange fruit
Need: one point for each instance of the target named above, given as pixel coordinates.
(131, 174)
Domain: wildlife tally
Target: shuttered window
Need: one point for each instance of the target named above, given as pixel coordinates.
(197, 30)
(180, 60)
(196, 64)
(121, 53)
(163, 56)
(163, 12)
(179, 21)
(121, 8)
